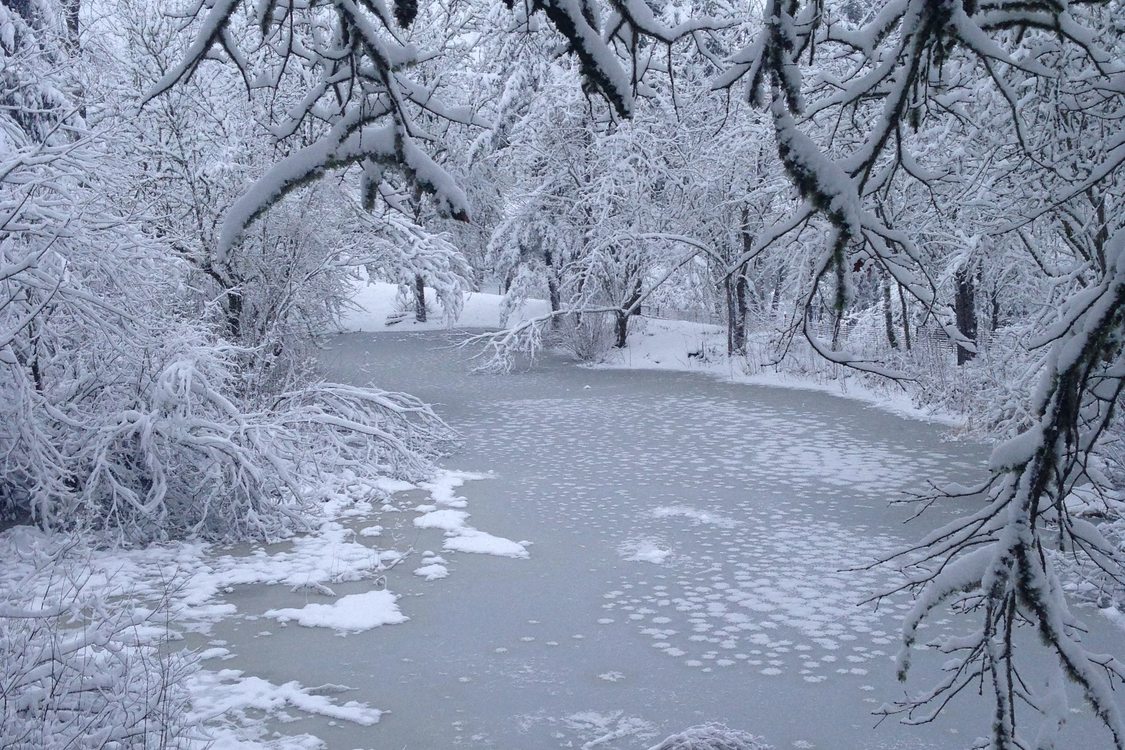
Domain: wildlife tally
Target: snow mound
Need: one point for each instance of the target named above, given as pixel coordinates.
(712, 737)
(480, 542)
(432, 572)
(353, 614)
(644, 550)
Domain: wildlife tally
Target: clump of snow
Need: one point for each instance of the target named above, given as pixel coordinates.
(712, 737)
(695, 514)
(446, 520)
(441, 487)
(228, 695)
(432, 572)
(391, 486)
(433, 567)
(480, 542)
(644, 550)
(606, 728)
(352, 614)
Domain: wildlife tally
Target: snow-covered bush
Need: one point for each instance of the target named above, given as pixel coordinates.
(131, 399)
(712, 737)
(80, 670)
(587, 337)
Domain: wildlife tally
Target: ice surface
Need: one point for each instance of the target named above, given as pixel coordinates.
(758, 508)
(751, 514)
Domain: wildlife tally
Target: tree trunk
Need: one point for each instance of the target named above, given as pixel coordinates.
(994, 317)
(964, 306)
(553, 291)
(728, 301)
(888, 318)
(775, 294)
(621, 320)
(419, 298)
(234, 312)
(738, 306)
(621, 326)
(905, 318)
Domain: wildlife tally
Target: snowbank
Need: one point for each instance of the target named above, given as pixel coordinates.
(377, 301)
(683, 346)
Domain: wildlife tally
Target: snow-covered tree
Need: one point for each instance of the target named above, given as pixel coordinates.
(910, 62)
(906, 184)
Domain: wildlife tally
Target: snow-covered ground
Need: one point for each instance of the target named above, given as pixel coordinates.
(377, 301)
(686, 346)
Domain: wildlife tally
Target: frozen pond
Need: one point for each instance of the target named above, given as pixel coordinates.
(689, 547)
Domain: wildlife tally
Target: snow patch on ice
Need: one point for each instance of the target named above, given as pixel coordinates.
(644, 550)
(442, 486)
(352, 614)
(446, 520)
(223, 698)
(480, 542)
(460, 536)
(432, 572)
(695, 514)
(606, 728)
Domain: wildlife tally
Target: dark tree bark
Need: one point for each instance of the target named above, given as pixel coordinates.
(905, 318)
(994, 312)
(775, 293)
(888, 317)
(70, 10)
(964, 307)
(553, 291)
(738, 302)
(742, 308)
(234, 312)
(231, 287)
(621, 320)
(738, 305)
(419, 298)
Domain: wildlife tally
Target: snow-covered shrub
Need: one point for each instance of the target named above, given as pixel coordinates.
(80, 670)
(712, 737)
(175, 451)
(588, 338)
(132, 398)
